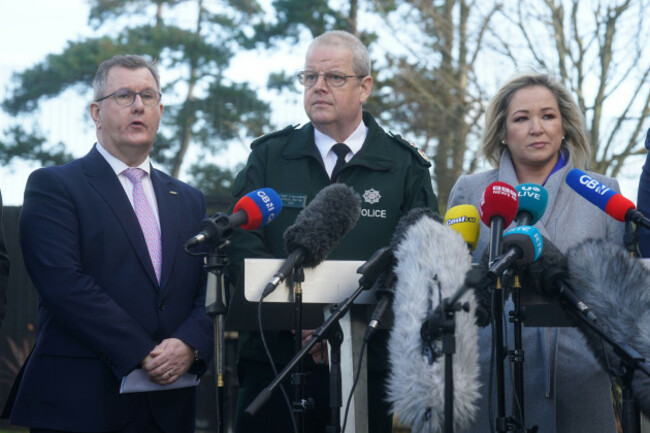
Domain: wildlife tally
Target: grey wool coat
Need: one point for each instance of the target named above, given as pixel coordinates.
(565, 390)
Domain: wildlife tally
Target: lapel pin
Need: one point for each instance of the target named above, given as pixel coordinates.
(171, 191)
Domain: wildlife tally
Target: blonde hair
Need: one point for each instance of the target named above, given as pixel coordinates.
(575, 139)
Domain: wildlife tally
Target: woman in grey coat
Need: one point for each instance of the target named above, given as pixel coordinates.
(535, 133)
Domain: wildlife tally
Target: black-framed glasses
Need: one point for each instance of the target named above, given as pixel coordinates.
(126, 98)
(332, 79)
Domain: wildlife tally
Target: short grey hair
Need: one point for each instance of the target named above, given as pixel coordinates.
(573, 121)
(129, 61)
(340, 38)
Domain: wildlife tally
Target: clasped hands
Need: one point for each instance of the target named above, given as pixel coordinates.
(168, 361)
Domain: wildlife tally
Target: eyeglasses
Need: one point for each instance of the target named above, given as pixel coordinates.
(126, 98)
(332, 79)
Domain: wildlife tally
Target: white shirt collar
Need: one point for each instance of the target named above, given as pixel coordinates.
(119, 166)
(324, 143)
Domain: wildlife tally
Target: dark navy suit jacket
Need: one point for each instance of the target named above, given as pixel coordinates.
(643, 201)
(101, 309)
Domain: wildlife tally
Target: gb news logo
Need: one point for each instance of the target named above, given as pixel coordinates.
(594, 185)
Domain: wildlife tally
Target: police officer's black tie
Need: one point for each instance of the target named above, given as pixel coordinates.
(341, 150)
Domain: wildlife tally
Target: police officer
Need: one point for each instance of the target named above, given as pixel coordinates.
(389, 174)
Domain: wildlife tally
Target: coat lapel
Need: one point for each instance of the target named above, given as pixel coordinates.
(102, 178)
(168, 200)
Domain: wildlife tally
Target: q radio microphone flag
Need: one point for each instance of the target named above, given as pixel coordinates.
(253, 210)
(532, 203)
(431, 264)
(611, 202)
(522, 244)
(319, 227)
(464, 220)
(615, 286)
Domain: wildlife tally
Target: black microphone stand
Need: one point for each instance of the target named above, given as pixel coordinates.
(517, 316)
(631, 239)
(334, 336)
(215, 263)
(370, 272)
(441, 324)
(630, 361)
(300, 405)
(496, 233)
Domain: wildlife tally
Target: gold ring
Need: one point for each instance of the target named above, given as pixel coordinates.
(169, 373)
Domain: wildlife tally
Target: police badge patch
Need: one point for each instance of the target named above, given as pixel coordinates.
(371, 196)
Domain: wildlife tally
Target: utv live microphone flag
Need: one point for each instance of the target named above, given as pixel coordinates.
(532, 203)
(252, 211)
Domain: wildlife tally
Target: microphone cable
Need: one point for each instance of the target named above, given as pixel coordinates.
(355, 381)
(272, 362)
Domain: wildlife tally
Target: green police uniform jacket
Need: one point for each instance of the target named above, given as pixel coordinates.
(391, 176)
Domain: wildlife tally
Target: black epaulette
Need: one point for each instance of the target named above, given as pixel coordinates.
(422, 157)
(261, 139)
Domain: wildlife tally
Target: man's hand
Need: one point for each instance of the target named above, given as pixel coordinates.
(319, 351)
(168, 361)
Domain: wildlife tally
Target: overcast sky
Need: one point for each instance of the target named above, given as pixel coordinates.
(31, 29)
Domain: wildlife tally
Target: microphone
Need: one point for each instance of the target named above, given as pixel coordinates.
(317, 230)
(532, 203)
(523, 244)
(608, 200)
(463, 219)
(615, 285)
(549, 275)
(431, 264)
(385, 283)
(255, 209)
(497, 209)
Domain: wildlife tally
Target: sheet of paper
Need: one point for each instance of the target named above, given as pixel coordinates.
(138, 381)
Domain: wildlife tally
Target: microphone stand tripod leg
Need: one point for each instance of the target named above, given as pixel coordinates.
(300, 406)
(517, 355)
(630, 416)
(216, 300)
(334, 337)
(497, 306)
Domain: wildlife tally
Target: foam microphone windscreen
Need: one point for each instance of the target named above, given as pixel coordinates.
(387, 279)
(498, 200)
(615, 286)
(321, 225)
(432, 261)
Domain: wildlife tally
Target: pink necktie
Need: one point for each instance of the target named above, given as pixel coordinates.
(146, 218)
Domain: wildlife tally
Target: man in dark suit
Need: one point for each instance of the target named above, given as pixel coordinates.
(118, 295)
